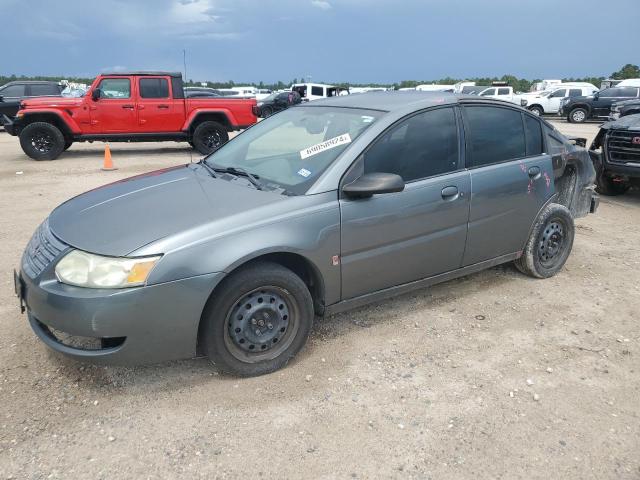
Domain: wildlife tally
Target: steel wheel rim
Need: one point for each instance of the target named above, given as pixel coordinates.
(42, 141)
(261, 324)
(552, 244)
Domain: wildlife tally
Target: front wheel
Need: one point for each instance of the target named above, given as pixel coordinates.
(266, 112)
(209, 136)
(608, 186)
(536, 110)
(257, 320)
(578, 115)
(549, 244)
(42, 141)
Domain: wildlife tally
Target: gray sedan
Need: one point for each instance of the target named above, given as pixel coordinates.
(319, 208)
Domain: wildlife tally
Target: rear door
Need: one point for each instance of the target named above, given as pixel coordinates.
(158, 112)
(114, 111)
(396, 238)
(511, 178)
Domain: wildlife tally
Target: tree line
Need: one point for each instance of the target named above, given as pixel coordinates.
(518, 84)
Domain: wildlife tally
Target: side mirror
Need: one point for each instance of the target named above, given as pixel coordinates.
(596, 95)
(96, 94)
(374, 184)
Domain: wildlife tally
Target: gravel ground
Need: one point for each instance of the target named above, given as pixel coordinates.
(494, 375)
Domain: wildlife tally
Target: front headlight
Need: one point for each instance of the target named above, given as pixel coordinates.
(84, 269)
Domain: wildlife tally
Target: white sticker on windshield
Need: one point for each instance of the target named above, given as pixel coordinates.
(366, 119)
(304, 172)
(321, 147)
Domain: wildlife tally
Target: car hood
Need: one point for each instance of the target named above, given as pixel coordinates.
(630, 122)
(52, 102)
(121, 217)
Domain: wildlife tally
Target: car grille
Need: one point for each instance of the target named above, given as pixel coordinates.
(42, 249)
(621, 147)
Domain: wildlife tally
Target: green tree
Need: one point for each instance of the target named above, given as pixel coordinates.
(628, 71)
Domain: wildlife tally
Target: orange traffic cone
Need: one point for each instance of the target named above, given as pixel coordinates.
(108, 163)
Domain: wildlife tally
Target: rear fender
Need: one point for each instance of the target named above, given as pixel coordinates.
(231, 122)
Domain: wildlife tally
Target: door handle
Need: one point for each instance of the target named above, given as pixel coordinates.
(163, 106)
(534, 172)
(450, 193)
(130, 107)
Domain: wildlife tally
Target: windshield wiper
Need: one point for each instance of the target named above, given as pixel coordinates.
(253, 179)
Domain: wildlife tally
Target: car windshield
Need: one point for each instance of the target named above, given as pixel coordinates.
(293, 148)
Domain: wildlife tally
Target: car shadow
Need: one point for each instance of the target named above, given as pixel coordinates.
(181, 374)
(117, 151)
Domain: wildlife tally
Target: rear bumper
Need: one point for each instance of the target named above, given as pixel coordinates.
(127, 327)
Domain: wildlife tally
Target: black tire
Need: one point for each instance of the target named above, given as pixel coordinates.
(42, 141)
(209, 136)
(536, 110)
(578, 115)
(549, 244)
(606, 186)
(257, 320)
(67, 144)
(266, 112)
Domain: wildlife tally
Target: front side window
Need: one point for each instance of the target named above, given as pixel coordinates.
(503, 91)
(625, 92)
(575, 92)
(115, 88)
(293, 148)
(486, 93)
(44, 89)
(559, 93)
(496, 134)
(422, 146)
(317, 91)
(13, 91)
(154, 88)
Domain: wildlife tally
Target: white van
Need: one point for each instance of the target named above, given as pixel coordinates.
(316, 91)
(435, 88)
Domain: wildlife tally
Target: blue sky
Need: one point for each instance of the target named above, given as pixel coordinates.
(354, 41)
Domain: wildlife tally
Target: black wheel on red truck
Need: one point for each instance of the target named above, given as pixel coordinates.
(209, 136)
(42, 141)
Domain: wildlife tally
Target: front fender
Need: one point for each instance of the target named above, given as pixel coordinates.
(67, 120)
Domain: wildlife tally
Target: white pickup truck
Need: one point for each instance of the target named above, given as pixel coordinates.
(502, 93)
(549, 101)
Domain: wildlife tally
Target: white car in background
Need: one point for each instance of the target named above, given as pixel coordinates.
(502, 93)
(315, 91)
(549, 101)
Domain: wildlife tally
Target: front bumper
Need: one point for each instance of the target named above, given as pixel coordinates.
(132, 326)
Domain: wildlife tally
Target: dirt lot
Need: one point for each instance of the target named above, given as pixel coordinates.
(435, 384)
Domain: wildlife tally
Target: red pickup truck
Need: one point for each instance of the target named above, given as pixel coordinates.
(126, 107)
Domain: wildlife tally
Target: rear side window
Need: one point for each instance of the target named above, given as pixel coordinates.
(496, 135)
(534, 135)
(422, 146)
(575, 92)
(13, 91)
(317, 91)
(555, 146)
(154, 88)
(44, 89)
(115, 88)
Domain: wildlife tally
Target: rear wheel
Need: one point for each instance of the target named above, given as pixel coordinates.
(550, 243)
(536, 110)
(608, 186)
(209, 136)
(578, 115)
(266, 112)
(42, 141)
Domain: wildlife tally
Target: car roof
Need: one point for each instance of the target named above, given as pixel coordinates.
(30, 82)
(392, 101)
(142, 74)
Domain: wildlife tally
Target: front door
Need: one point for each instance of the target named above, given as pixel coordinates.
(511, 178)
(602, 106)
(114, 111)
(396, 238)
(158, 112)
(553, 104)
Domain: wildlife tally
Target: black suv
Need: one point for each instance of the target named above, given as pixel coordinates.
(598, 105)
(276, 102)
(616, 155)
(624, 108)
(11, 93)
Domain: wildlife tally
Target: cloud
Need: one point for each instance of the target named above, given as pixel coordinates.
(321, 4)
